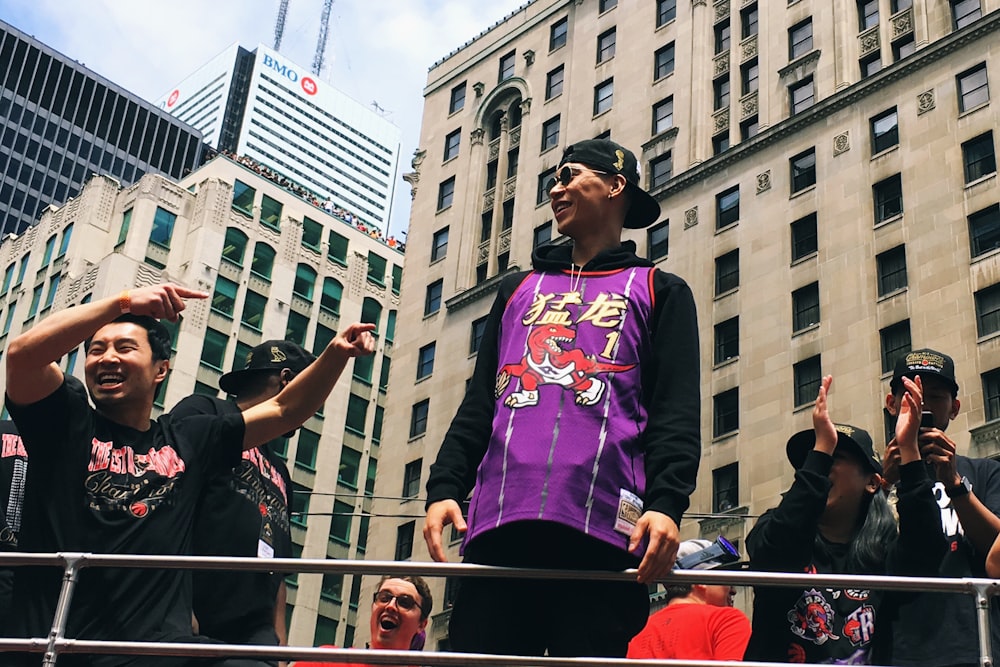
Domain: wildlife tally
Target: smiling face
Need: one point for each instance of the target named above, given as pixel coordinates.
(582, 204)
(119, 367)
(392, 626)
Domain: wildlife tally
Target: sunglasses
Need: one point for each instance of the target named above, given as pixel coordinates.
(404, 601)
(568, 173)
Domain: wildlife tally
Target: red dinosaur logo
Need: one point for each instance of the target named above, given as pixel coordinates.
(548, 362)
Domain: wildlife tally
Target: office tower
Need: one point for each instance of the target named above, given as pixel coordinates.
(260, 105)
(827, 178)
(62, 123)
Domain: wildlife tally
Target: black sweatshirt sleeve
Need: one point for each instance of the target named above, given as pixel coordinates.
(921, 543)
(453, 473)
(782, 540)
(672, 439)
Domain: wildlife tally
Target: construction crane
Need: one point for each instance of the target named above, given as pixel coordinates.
(324, 24)
(279, 24)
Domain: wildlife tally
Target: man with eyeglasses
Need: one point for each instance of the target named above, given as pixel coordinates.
(579, 435)
(400, 609)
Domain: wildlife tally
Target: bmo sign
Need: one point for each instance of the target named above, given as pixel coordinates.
(308, 84)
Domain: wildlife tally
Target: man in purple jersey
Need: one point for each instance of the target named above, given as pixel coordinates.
(579, 436)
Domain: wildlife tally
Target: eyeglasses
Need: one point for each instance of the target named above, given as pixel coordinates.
(404, 601)
(568, 173)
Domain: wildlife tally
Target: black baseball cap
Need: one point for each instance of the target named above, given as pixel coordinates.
(606, 155)
(851, 438)
(924, 362)
(269, 356)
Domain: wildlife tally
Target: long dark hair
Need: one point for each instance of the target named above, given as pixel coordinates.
(874, 537)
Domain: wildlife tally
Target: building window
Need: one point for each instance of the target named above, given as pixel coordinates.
(988, 310)
(554, 82)
(891, 269)
(726, 487)
(404, 540)
(726, 412)
(418, 417)
(243, 196)
(663, 115)
(899, 5)
(357, 414)
(330, 298)
(727, 272)
(660, 170)
(870, 64)
(411, 478)
(340, 523)
(425, 361)
(666, 11)
(964, 12)
(457, 101)
(305, 282)
(263, 261)
(439, 244)
(550, 133)
(213, 352)
(64, 243)
(984, 230)
(748, 21)
(805, 307)
(749, 77)
(606, 46)
(804, 237)
(720, 143)
(300, 505)
(350, 466)
(885, 131)
(991, 394)
(895, 342)
(979, 157)
(888, 196)
(806, 376)
(305, 452)
(295, 328)
(337, 250)
(663, 61)
(720, 92)
(803, 167)
(312, 233)
(506, 66)
(446, 193)
(451, 144)
(224, 297)
(727, 207)
(604, 93)
(476, 337)
(903, 47)
(253, 310)
(656, 241)
(163, 227)
(867, 14)
(973, 88)
(800, 39)
(722, 37)
(270, 212)
(749, 128)
(801, 95)
(727, 340)
(558, 33)
(541, 234)
(605, 5)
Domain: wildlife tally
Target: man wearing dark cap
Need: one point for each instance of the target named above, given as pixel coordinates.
(579, 436)
(835, 520)
(251, 502)
(933, 628)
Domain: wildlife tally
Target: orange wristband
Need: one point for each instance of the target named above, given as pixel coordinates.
(125, 302)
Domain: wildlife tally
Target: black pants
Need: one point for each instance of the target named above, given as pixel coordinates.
(563, 617)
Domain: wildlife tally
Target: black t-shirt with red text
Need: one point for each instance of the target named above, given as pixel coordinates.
(243, 512)
(98, 486)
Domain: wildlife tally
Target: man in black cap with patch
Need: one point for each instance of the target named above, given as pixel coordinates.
(244, 512)
(583, 421)
(934, 629)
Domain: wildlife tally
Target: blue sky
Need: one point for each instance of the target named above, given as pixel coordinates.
(377, 50)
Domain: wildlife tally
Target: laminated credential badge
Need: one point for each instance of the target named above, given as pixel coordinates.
(629, 511)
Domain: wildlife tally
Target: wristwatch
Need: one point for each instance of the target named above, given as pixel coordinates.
(963, 488)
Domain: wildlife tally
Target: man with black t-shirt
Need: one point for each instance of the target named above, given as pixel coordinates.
(251, 501)
(938, 629)
(109, 480)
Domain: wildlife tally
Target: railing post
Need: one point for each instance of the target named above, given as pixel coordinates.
(983, 616)
(73, 564)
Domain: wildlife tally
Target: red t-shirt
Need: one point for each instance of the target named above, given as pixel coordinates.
(693, 632)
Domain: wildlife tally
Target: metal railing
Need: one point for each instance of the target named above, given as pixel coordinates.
(57, 644)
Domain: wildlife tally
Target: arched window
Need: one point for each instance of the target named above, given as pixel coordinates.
(64, 245)
(330, 300)
(514, 114)
(234, 248)
(305, 281)
(371, 312)
(496, 122)
(263, 260)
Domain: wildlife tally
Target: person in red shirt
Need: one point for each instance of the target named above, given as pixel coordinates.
(698, 623)
(400, 609)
